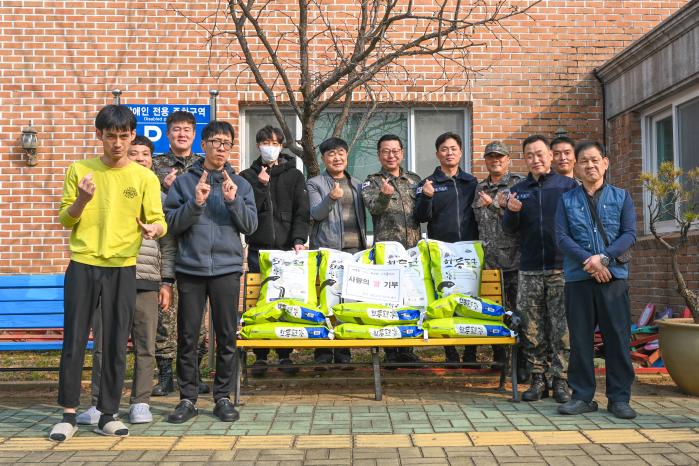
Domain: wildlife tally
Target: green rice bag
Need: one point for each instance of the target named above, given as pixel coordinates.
(331, 271)
(284, 310)
(284, 330)
(390, 253)
(465, 306)
(364, 257)
(375, 314)
(287, 274)
(376, 332)
(458, 327)
(456, 267)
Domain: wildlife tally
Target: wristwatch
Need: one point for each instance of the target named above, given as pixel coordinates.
(604, 260)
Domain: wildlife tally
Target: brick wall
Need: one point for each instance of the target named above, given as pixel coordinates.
(60, 59)
(651, 279)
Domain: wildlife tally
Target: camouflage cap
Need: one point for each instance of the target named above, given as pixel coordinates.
(496, 147)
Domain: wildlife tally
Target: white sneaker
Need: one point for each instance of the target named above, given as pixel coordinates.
(90, 417)
(139, 413)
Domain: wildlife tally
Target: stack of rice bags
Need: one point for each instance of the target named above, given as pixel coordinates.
(369, 321)
(286, 307)
(458, 311)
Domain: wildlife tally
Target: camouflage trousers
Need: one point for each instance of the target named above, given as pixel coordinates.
(544, 329)
(166, 336)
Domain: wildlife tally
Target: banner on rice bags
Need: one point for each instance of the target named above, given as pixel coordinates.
(465, 306)
(375, 314)
(284, 310)
(331, 271)
(372, 283)
(375, 332)
(288, 274)
(285, 330)
(416, 281)
(456, 267)
(457, 327)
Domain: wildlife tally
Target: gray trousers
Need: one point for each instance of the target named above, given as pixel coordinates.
(143, 330)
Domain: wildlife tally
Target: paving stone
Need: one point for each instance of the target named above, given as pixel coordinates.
(680, 458)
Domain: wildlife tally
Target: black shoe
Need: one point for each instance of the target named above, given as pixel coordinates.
(225, 410)
(621, 409)
(288, 370)
(470, 354)
(166, 384)
(573, 407)
(560, 391)
(391, 357)
(259, 368)
(184, 411)
(451, 355)
(408, 356)
(537, 389)
(323, 358)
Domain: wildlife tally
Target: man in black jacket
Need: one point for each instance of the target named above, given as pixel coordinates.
(282, 213)
(445, 201)
(530, 214)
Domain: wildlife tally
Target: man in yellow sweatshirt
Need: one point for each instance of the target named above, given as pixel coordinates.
(110, 203)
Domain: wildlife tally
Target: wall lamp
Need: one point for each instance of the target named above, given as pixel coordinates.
(29, 144)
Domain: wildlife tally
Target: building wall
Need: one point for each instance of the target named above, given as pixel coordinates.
(60, 59)
(651, 279)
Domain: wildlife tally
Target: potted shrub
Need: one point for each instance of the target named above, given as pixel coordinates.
(673, 197)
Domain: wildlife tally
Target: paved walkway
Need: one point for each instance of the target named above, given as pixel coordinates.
(306, 423)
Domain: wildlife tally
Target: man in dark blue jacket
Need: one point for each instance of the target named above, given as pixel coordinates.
(207, 208)
(531, 208)
(445, 201)
(595, 225)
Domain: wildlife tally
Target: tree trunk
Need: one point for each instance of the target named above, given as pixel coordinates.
(690, 298)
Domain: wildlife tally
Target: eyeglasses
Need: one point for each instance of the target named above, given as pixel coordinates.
(391, 152)
(227, 145)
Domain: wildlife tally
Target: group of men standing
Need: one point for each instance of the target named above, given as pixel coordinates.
(527, 226)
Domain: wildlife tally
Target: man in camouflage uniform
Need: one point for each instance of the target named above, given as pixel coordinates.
(501, 249)
(530, 213)
(390, 197)
(181, 130)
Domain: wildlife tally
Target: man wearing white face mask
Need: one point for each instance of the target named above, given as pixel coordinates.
(282, 212)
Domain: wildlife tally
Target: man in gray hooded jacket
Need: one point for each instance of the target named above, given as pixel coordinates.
(208, 208)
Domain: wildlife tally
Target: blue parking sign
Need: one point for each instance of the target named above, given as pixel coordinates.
(150, 122)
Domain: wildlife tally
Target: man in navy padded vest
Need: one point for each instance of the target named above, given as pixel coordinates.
(595, 225)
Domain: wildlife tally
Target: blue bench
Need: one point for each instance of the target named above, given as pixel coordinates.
(31, 314)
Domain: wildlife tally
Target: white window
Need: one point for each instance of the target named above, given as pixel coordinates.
(670, 132)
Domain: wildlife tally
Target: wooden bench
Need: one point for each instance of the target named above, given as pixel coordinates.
(31, 315)
(491, 287)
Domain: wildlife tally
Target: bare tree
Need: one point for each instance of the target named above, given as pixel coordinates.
(313, 54)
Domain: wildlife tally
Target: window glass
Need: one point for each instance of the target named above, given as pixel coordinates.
(688, 137)
(254, 121)
(664, 153)
(428, 125)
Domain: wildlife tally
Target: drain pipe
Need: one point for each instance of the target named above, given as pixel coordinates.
(595, 73)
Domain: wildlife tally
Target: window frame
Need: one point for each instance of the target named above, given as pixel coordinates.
(651, 115)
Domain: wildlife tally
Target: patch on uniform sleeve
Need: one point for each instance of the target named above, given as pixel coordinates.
(366, 184)
(418, 190)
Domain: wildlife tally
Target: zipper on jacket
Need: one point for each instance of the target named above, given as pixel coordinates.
(458, 208)
(541, 228)
(211, 230)
(271, 209)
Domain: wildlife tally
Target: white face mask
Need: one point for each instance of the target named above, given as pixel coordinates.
(269, 153)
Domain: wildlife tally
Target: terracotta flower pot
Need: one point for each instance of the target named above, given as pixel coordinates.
(679, 345)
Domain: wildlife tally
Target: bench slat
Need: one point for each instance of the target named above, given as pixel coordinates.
(30, 307)
(35, 346)
(31, 281)
(31, 294)
(47, 321)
